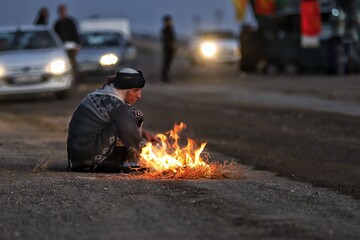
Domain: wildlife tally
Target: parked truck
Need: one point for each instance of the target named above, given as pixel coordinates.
(276, 45)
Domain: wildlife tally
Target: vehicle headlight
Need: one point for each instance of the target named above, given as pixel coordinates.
(208, 49)
(108, 59)
(57, 67)
(2, 71)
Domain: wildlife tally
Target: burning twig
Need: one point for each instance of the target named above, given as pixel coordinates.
(169, 160)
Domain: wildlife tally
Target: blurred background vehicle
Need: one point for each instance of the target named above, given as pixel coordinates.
(276, 46)
(33, 60)
(214, 46)
(105, 46)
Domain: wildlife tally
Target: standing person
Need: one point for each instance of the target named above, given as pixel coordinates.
(42, 17)
(248, 48)
(168, 40)
(105, 131)
(66, 28)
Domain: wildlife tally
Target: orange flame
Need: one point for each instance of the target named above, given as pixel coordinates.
(170, 156)
(170, 160)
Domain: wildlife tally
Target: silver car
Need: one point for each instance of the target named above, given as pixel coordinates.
(32, 60)
(103, 52)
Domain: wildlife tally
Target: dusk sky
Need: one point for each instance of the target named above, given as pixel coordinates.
(144, 15)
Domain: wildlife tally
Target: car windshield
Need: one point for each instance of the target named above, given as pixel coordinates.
(217, 34)
(19, 40)
(101, 39)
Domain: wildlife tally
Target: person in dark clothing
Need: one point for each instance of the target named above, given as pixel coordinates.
(42, 17)
(66, 28)
(105, 132)
(249, 48)
(168, 40)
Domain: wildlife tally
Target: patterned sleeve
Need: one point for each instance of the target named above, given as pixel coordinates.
(126, 124)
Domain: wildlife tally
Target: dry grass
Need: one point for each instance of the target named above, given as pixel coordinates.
(226, 170)
(42, 164)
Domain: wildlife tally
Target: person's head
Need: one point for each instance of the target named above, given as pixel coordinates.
(44, 12)
(167, 20)
(42, 16)
(130, 82)
(62, 11)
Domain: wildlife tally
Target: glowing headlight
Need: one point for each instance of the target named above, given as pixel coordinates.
(108, 59)
(57, 67)
(2, 71)
(208, 49)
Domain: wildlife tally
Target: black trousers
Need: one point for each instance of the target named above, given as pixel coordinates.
(74, 68)
(112, 164)
(168, 57)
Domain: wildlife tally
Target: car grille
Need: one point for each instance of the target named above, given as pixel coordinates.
(26, 75)
(27, 69)
(227, 53)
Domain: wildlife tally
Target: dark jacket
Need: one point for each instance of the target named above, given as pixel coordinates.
(67, 31)
(101, 122)
(168, 37)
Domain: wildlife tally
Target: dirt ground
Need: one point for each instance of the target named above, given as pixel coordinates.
(309, 149)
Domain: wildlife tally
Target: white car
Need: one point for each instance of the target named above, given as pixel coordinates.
(33, 60)
(214, 46)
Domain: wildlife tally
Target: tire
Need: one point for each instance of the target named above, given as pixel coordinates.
(291, 69)
(65, 94)
(272, 69)
(261, 66)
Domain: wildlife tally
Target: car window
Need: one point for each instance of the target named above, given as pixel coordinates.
(26, 40)
(101, 39)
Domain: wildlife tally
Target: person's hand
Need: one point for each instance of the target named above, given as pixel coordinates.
(151, 138)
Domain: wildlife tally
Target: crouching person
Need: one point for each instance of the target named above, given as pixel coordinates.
(105, 131)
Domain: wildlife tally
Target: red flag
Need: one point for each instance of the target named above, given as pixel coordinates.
(310, 18)
(265, 7)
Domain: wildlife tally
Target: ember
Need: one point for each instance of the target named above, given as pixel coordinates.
(170, 160)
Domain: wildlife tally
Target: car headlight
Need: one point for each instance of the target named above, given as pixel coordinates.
(2, 71)
(57, 67)
(108, 59)
(208, 49)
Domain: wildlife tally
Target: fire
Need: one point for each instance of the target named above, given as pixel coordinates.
(169, 156)
(170, 160)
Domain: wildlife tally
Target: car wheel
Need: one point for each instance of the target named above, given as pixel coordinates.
(272, 69)
(65, 93)
(261, 66)
(291, 69)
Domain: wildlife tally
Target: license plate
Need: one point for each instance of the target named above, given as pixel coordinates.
(27, 79)
(89, 67)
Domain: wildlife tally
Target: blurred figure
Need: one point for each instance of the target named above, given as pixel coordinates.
(66, 28)
(168, 40)
(4, 45)
(42, 17)
(251, 48)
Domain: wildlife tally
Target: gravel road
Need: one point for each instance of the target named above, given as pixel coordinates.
(310, 189)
